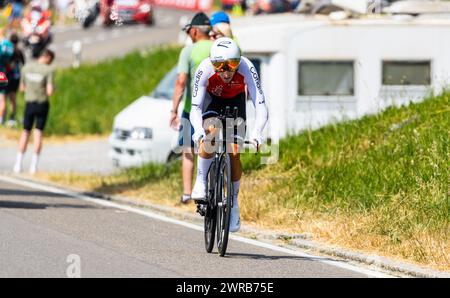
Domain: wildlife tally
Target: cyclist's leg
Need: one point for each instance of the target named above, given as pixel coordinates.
(204, 161)
(206, 148)
(235, 147)
(236, 174)
(211, 125)
(236, 166)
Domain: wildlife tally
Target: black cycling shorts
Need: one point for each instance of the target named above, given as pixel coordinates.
(215, 106)
(38, 112)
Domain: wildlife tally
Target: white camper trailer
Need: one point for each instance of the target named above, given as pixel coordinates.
(316, 70)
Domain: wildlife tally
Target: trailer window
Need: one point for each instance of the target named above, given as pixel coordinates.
(325, 78)
(402, 73)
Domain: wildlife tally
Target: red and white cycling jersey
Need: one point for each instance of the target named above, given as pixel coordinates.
(219, 88)
(206, 80)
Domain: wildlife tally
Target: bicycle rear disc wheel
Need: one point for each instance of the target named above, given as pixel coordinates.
(210, 216)
(224, 196)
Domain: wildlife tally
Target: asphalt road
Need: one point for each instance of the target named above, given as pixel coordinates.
(89, 157)
(43, 234)
(99, 43)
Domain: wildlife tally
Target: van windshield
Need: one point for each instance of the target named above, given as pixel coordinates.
(164, 90)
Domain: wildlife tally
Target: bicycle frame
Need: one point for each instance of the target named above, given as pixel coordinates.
(214, 208)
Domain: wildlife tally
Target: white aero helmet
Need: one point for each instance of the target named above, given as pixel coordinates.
(225, 54)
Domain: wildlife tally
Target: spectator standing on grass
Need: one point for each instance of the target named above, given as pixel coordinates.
(6, 53)
(37, 83)
(190, 58)
(13, 73)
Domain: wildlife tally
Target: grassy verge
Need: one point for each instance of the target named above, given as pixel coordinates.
(379, 184)
(88, 98)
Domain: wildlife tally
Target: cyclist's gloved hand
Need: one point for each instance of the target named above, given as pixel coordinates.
(258, 139)
(198, 136)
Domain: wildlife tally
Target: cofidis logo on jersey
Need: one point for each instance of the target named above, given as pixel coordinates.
(196, 82)
(256, 79)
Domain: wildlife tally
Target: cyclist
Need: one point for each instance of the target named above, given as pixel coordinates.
(220, 81)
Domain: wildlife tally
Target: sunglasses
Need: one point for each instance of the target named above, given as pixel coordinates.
(227, 65)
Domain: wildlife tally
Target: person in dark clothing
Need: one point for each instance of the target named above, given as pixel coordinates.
(13, 71)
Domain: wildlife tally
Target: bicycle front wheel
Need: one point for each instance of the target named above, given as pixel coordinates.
(224, 195)
(210, 214)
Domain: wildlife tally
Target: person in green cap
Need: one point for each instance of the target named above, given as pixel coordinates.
(190, 58)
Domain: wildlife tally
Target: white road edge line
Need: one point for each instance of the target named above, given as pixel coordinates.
(149, 214)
